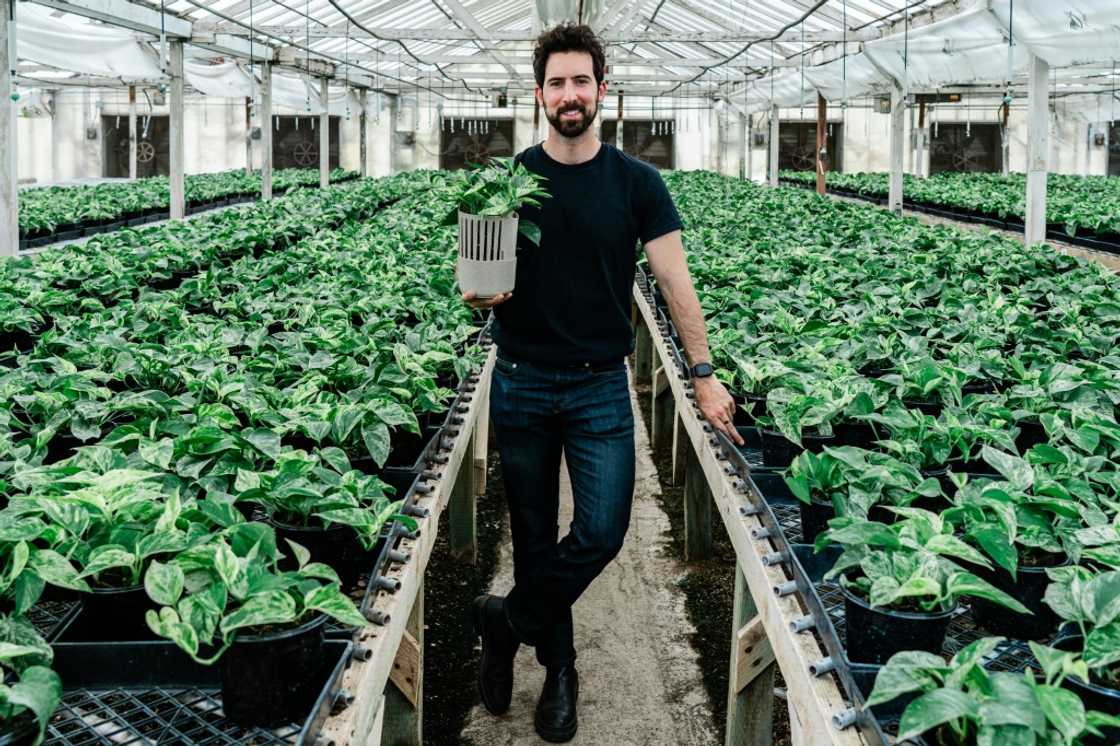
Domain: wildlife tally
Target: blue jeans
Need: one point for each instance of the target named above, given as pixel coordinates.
(539, 412)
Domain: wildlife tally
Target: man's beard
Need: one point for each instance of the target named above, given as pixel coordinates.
(572, 128)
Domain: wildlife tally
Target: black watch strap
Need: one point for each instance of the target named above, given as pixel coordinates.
(702, 370)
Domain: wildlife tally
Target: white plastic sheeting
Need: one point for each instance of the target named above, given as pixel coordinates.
(967, 48)
(226, 79)
(70, 43)
(1071, 32)
(840, 80)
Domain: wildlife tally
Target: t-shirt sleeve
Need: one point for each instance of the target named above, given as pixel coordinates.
(657, 215)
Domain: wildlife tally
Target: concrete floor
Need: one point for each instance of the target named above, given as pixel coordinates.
(639, 680)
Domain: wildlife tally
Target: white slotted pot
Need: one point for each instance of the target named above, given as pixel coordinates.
(487, 262)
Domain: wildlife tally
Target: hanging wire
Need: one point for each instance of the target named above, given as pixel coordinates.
(844, 61)
(162, 41)
(801, 93)
(307, 46)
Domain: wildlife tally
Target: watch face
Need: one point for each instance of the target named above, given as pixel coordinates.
(702, 370)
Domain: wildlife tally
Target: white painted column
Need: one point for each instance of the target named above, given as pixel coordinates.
(618, 139)
(266, 130)
(744, 138)
(394, 120)
(773, 161)
(178, 194)
(897, 147)
(9, 187)
(750, 147)
(132, 140)
(363, 100)
(1038, 148)
(324, 136)
(248, 136)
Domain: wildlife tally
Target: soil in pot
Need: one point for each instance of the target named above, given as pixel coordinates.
(111, 615)
(858, 434)
(814, 519)
(334, 545)
(874, 635)
(1095, 694)
(778, 452)
(407, 447)
(272, 678)
(1028, 588)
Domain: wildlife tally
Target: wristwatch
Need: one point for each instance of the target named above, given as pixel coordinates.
(702, 370)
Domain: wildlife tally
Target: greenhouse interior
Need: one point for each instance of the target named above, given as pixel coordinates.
(647, 372)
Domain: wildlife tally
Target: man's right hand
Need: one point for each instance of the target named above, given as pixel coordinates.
(485, 304)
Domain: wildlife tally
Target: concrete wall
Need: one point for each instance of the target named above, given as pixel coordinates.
(57, 148)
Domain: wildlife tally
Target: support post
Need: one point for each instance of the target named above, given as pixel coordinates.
(324, 135)
(536, 118)
(1038, 101)
(750, 694)
(663, 409)
(822, 142)
(178, 194)
(404, 694)
(643, 350)
(9, 183)
(681, 447)
(266, 130)
(248, 136)
(394, 120)
(462, 535)
(363, 142)
(920, 157)
(619, 140)
(697, 510)
(897, 151)
(772, 163)
(132, 140)
(744, 135)
(750, 147)
(1005, 141)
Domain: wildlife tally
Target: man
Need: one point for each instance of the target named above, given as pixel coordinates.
(560, 383)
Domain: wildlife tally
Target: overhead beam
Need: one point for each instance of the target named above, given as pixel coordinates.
(231, 45)
(453, 34)
(125, 15)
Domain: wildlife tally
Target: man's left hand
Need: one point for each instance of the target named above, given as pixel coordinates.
(717, 406)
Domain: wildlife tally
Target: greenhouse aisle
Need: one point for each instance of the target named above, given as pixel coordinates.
(639, 679)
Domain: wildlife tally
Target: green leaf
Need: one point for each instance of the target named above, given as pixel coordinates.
(105, 557)
(375, 435)
(1014, 469)
(908, 671)
(158, 453)
(39, 690)
(1063, 709)
(1102, 646)
(967, 584)
(164, 583)
(55, 569)
(933, 709)
(269, 607)
(265, 441)
(329, 600)
(300, 552)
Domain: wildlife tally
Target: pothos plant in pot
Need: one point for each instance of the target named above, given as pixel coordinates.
(487, 201)
(226, 600)
(1024, 529)
(1090, 603)
(960, 703)
(901, 582)
(30, 690)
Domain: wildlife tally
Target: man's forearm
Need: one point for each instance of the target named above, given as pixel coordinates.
(684, 308)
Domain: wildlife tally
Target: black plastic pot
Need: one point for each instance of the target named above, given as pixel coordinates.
(271, 679)
(925, 406)
(21, 731)
(858, 434)
(1094, 696)
(111, 615)
(815, 516)
(1027, 588)
(779, 452)
(334, 545)
(1031, 433)
(874, 635)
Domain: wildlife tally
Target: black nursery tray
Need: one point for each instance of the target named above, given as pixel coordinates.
(135, 693)
(1011, 655)
(50, 618)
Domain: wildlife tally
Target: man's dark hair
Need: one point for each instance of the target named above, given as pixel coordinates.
(569, 37)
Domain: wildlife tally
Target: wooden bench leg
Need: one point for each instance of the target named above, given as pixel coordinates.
(480, 443)
(697, 510)
(663, 410)
(643, 354)
(462, 533)
(681, 448)
(403, 706)
(750, 695)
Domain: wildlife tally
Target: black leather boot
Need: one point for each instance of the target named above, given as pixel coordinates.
(556, 720)
(499, 646)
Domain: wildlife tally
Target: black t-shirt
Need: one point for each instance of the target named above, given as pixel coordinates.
(571, 303)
